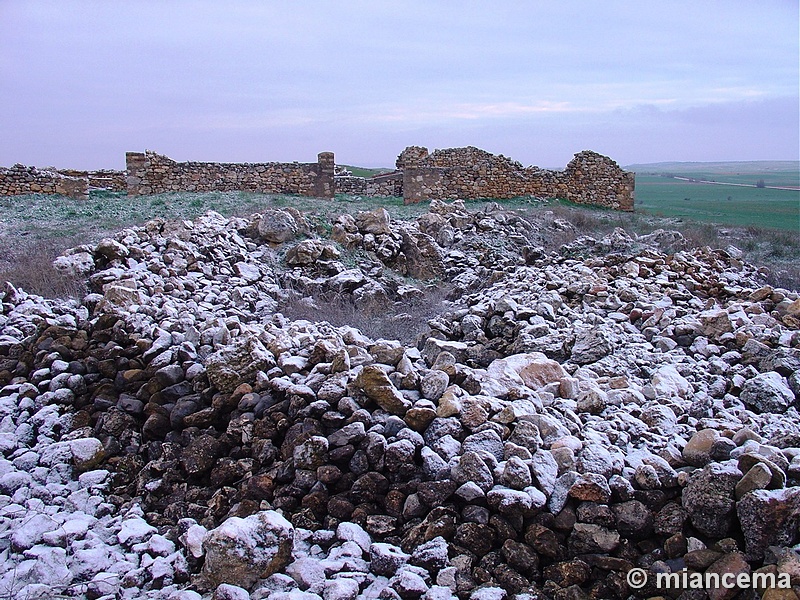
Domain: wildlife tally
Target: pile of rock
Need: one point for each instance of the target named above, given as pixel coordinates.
(573, 415)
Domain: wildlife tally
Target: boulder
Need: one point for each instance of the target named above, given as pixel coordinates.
(767, 392)
(591, 347)
(238, 362)
(242, 551)
(424, 257)
(74, 265)
(709, 499)
(376, 385)
(375, 222)
(769, 518)
(666, 382)
(277, 226)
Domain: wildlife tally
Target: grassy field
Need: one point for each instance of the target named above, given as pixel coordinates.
(364, 172)
(676, 190)
(763, 222)
(723, 204)
(772, 173)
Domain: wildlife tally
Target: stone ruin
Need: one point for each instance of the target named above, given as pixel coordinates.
(471, 173)
(22, 179)
(448, 174)
(152, 173)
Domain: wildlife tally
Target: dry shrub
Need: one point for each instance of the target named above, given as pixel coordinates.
(375, 316)
(30, 268)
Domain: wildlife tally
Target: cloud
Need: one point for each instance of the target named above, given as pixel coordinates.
(261, 78)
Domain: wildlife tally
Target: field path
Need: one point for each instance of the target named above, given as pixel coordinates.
(766, 187)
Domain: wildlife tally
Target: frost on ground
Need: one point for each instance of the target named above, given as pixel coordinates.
(567, 416)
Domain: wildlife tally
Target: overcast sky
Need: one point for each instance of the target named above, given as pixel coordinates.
(82, 82)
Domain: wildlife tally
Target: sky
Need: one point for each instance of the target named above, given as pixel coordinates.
(83, 82)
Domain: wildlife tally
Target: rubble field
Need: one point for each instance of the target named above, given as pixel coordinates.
(563, 416)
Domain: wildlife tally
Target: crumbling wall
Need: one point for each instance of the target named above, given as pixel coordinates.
(388, 184)
(596, 179)
(470, 173)
(21, 179)
(103, 179)
(152, 173)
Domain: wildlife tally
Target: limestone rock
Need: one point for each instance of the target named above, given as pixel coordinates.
(377, 386)
(238, 362)
(768, 392)
(277, 226)
(241, 551)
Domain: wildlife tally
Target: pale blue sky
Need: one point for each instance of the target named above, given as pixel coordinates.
(82, 82)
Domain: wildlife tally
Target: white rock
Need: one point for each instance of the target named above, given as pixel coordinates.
(193, 540)
(352, 532)
(135, 530)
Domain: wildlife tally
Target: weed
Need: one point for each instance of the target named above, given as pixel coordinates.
(376, 316)
(31, 268)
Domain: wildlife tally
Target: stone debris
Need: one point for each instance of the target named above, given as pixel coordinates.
(567, 416)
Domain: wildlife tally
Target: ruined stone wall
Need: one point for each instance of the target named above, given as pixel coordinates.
(597, 180)
(390, 184)
(103, 179)
(21, 179)
(152, 173)
(470, 173)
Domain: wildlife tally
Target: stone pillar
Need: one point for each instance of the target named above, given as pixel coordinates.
(627, 193)
(134, 169)
(325, 186)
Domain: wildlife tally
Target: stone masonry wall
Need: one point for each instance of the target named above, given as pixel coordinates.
(152, 173)
(21, 179)
(104, 179)
(389, 184)
(596, 179)
(470, 173)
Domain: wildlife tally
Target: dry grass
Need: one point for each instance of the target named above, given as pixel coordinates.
(376, 317)
(29, 266)
(777, 250)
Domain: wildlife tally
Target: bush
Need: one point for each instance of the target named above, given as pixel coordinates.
(376, 317)
(30, 268)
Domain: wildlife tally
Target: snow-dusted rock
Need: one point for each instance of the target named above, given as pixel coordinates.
(241, 551)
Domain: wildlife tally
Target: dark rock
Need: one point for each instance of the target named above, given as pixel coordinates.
(386, 559)
(470, 467)
(567, 573)
(201, 455)
(590, 487)
(598, 514)
(475, 537)
(634, 519)
(769, 518)
(368, 487)
(670, 519)
(700, 560)
(768, 392)
(241, 551)
(435, 493)
(544, 541)
(709, 499)
(431, 556)
(587, 538)
(521, 557)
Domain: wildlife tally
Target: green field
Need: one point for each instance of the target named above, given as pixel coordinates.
(660, 192)
(365, 172)
(773, 173)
